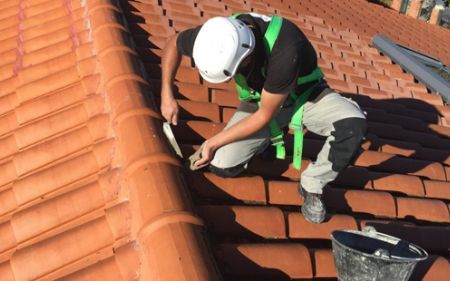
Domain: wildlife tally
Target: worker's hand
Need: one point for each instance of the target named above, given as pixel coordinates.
(207, 154)
(169, 109)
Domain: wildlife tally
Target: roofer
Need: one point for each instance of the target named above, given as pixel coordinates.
(279, 84)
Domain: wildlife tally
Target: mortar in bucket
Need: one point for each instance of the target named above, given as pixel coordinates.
(369, 255)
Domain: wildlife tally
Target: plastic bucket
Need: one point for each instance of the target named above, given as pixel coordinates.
(369, 255)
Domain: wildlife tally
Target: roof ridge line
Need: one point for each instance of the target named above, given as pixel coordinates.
(173, 251)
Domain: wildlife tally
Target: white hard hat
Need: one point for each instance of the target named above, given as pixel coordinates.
(221, 45)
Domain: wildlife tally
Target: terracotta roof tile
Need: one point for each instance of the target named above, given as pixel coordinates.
(265, 260)
(245, 221)
(374, 203)
(224, 98)
(439, 269)
(348, 69)
(410, 185)
(342, 86)
(121, 266)
(323, 263)
(300, 228)
(437, 189)
(196, 131)
(284, 193)
(363, 82)
(423, 209)
(208, 185)
(391, 163)
(199, 110)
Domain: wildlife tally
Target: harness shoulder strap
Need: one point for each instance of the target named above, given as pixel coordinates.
(270, 36)
(234, 16)
(315, 75)
(272, 32)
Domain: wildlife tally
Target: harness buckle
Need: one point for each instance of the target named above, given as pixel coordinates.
(295, 126)
(277, 140)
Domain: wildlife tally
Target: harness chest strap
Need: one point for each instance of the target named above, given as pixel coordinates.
(247, 94)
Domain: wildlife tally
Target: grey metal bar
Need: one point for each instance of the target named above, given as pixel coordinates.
(427, 60)
(431, 80)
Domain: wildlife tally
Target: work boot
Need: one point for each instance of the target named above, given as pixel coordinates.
(313, 208)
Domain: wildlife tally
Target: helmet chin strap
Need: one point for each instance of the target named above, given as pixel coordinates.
(248, 69)
(252, 65)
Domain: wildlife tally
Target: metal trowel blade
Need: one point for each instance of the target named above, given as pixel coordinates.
(170, 136)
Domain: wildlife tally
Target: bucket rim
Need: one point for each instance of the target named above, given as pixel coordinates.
(423, 254)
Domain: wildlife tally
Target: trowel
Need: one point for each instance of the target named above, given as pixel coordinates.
(170, 136)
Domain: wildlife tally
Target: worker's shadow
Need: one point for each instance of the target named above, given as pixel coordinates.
(239, 250)
(233, 258)
(401, 129)
(148, 40)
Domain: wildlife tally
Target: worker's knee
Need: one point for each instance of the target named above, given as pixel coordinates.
(227, 172)
(348, 135)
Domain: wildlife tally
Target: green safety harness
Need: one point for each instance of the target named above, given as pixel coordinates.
(247, 94)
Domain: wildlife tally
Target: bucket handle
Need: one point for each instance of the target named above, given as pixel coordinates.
(399, 248)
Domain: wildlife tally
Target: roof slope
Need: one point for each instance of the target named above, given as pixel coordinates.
(82, 156)
(90, 191)
(368, 19)
(399, 184)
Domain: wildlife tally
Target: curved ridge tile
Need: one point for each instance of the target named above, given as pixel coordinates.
(139, 136)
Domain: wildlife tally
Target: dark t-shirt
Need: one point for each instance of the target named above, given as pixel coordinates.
(292, 55)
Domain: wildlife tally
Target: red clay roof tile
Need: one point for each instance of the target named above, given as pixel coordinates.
(342, 86)
(423, 209)
(250, 190)
(437, 189)
(121, 266)
(375, 203)
(323, 263)
(224, 98)
(300, 228)
(439, 269)
(283, 193)
(391, 163)
(349, 69)
(245, 221)
(190, 91)
(266, 260)
(410, 185)
(196, 131)
(199, 110)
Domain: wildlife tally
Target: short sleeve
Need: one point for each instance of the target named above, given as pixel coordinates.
(283, 69)
(186, 39)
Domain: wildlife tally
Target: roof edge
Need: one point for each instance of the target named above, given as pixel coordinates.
(168, 233)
